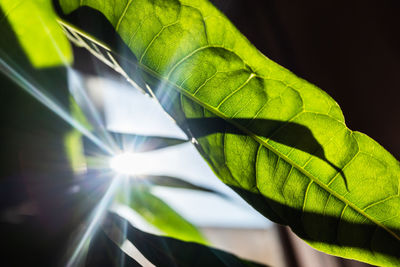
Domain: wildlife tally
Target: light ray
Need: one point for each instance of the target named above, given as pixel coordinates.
(126, 195)
(59, 52)
(98, 213)
(129, 163)
(51, 104)
(81, 97)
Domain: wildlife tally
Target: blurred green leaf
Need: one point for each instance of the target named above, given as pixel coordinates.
(74, 150)
(35, 25)
(159, 214)
(73, 139)
(78, 114)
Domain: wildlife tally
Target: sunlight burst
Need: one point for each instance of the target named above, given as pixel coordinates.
(129, 163)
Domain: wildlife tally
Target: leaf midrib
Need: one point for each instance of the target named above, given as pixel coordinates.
(283, 156)
(265, 144)
(245, 130)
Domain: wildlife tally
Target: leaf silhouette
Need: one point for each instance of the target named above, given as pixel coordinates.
(174, 182)
(141, 143)
(165, 251)
(104, 252)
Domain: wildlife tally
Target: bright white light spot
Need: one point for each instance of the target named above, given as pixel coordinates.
(131, 163)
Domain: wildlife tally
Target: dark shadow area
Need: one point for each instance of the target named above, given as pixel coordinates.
(348, 234)
(42, 202)
(96, 24)
(263, 26)
(349, 49)
(103, 252)
(287, 133)
(170, 252)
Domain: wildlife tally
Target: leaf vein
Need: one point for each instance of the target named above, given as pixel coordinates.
(251, 76)
(286, 179)
(205, 82)
(342, 169)
(339, 222)
(379, 202)
(326, 204)
(306, 195)
(288, 160)
(155, 38)
(123, 15)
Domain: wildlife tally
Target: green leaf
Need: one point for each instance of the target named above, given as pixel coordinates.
(161, 215)
(40, 36)
(286, 143)
(74, 150)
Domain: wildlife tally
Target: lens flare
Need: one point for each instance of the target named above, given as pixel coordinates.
(50, 103)
(96, 217)
(129, 163)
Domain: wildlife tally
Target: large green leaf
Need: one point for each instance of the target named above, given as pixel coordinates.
(286, 143)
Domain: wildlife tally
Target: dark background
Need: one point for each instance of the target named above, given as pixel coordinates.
(350, 49)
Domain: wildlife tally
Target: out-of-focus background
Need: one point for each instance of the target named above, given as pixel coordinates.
(349, 49)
